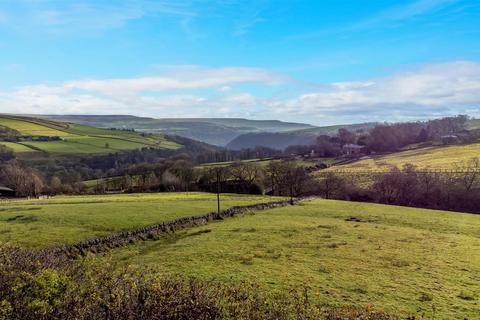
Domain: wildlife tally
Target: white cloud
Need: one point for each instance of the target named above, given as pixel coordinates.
(181, 91)
(183, 78)
(191, 91)
(450, 87)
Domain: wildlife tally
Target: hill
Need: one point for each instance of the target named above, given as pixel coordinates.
(217, 131)
(407, 260)
(281, 140)
(28, 135)
(436, 157)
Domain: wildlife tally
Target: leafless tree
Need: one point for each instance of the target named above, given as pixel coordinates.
(25, 181)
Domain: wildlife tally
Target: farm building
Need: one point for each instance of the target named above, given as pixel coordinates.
(449, 139)
(351, 148)
(6, 192)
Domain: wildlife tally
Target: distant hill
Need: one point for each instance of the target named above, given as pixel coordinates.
(34, 136)
(281, 140)
(217, 131)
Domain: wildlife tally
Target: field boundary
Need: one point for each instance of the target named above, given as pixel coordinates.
(105, 243)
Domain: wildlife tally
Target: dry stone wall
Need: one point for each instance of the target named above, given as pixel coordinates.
(152, 231)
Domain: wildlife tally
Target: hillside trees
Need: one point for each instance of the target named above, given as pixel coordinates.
(391, 137)
(346, 136)
(287, 178)
(184, 171)
(456, 190)
(245, 172)
(330, 185)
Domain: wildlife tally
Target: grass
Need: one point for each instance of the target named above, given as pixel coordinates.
(400, 259)
(16, 147)
(26, 127)
(442, 157)
(134, 180)
(78, 139)
(68, 219)
(66, 147)
(260, 162)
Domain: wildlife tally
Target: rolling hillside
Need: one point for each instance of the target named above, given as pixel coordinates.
(27, 135)
(406, 260)
(217, 131)
(437, 157)
(281, 140)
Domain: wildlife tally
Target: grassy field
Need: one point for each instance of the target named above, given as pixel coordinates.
(40, 223)
(413, 261)
(442, 157)
(31, 127)
(262, 163)
(17, 147)
(77, 139)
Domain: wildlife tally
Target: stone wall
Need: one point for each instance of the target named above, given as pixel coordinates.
(152, 231)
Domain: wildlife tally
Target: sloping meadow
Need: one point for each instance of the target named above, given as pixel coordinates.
(404, 260)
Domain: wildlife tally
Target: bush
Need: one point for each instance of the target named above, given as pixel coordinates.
(40, 286)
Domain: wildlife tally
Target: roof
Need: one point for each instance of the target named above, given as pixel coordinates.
(5, 189)
(353, 146)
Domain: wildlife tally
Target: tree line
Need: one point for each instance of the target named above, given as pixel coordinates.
(151, 169)
(390, 137)
(455, 190)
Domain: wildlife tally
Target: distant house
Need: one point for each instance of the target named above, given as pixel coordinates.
(449, 139)
(6, 192)
(351, 148)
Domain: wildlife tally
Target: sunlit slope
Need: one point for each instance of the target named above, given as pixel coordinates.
(33, 127)
(439, 157)
(76, 139)
(401, 259)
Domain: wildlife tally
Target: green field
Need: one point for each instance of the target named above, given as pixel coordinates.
(17, 147)
(58, 220)
(261, 162)
(442, 157)
(77, 139)
(33, 127)
(406, 260)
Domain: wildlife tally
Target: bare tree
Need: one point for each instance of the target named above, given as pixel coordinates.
(245, 171)
(25, 181)
(469, 174)
(330, 185)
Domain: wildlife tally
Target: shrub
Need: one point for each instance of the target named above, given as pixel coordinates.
(44, 286)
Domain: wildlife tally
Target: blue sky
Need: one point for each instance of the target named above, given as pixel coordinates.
(322, 62)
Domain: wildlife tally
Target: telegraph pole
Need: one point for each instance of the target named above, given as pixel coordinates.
(218, 191)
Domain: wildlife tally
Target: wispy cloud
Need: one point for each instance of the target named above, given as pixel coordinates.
(398, 14)
(403, 12)
(64, 16)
